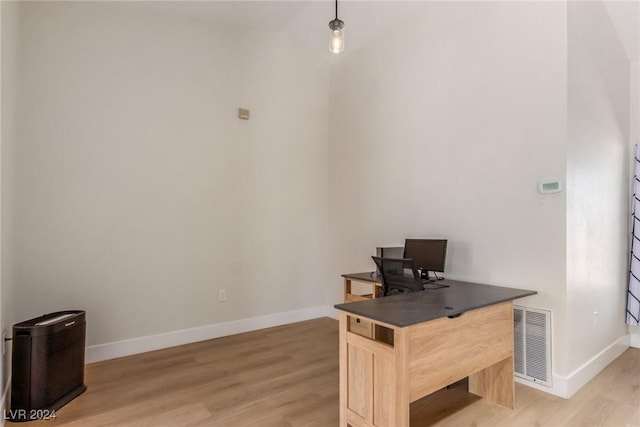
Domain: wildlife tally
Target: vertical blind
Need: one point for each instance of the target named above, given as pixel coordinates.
(633, 293)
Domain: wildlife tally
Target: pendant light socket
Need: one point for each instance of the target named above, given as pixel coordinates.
(336, 43)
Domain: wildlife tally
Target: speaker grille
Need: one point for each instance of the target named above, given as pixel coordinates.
(59, 363)
(532, 344)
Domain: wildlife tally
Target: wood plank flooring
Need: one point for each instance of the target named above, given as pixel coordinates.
(287, 376)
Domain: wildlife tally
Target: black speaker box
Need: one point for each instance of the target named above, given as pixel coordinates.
(47, 364)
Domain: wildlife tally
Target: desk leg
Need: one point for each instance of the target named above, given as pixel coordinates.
(374, 379)
(343, 367)
(495, 383)
(347, 289)
(402, 403)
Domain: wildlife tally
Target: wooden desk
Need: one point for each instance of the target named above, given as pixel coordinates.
(435, 338)
(373, 282)
(370, 279)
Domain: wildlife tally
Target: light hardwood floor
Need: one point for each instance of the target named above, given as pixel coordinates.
(288, 376)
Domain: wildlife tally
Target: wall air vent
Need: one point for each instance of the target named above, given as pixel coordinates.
(532, 346)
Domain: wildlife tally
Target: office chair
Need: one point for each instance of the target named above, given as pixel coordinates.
(398, 275)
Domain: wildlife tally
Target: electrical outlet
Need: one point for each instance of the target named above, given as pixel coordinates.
(222, 295)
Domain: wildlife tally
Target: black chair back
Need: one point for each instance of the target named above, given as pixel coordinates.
(398, 275)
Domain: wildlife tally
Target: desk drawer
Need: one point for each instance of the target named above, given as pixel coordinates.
(361, 326)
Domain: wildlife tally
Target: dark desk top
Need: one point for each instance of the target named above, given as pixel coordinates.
(417, 307)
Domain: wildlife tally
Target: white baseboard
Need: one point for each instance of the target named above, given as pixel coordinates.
(567, 386)
(635, 340)
(331, 312)
(541, 387)
(96, 353)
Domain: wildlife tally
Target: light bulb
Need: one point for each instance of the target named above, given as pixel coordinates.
(336, 44)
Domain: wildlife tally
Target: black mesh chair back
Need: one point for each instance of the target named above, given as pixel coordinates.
(398, 275)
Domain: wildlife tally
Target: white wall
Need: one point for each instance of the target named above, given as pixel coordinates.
(139, 193)
(442, 129)
(135, 193)
(9, 64)
(597, 196)
(634, 132)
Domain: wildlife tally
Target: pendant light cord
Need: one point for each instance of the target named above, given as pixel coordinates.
(336, 9)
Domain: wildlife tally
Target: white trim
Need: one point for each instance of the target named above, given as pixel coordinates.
(634, 340)
(591, 368)
(569, 385)
(560, 386)
(556, 389)
(96, 353)
(332, 312)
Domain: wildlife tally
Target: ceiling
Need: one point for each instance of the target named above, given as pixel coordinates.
(306, 20)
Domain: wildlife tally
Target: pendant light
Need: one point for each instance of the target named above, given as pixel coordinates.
(336, 44)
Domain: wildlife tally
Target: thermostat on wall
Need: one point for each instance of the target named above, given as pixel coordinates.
(545, 187)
